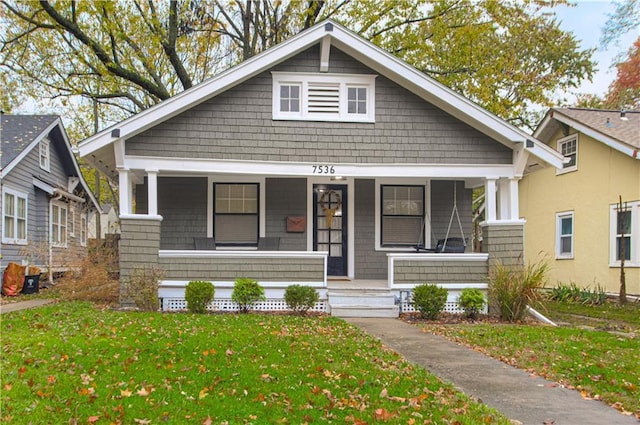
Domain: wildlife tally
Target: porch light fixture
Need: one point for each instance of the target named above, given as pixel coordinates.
(334, 178)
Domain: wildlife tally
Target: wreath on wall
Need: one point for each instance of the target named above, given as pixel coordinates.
(325, 202)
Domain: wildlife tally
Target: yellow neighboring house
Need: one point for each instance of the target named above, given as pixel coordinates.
(571, 214)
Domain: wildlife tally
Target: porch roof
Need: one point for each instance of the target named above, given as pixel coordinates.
(99, 150)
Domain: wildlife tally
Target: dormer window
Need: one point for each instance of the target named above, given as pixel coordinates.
(45, 160)
(323, 97)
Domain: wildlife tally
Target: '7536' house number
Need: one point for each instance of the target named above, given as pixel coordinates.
(323, 169)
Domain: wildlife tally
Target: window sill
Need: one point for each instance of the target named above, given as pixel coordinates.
(564, 257)
(628, 264)
(14, 242)
(566, 170)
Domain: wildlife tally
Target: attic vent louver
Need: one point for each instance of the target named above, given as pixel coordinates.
(324, 98)
(328, 27)
(115, 132)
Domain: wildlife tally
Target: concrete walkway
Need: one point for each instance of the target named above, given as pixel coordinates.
(23, 305)
(521, 397)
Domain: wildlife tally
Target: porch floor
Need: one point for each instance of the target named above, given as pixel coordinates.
(344, 283)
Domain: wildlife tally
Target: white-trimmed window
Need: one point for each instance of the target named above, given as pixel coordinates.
(83, 229)
(564, 235)
(236, 214)
(323, 97)
(45, 157)
(401, 215)
(14, 217)
(59, 213)
(72, 221)
(568, 147)
(625, 231)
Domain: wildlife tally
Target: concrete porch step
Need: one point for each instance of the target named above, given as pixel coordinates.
(370, 302)
(344, 310)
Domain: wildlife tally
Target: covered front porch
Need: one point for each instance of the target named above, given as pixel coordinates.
(339, 296)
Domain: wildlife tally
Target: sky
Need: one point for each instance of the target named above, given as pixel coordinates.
(586, 20)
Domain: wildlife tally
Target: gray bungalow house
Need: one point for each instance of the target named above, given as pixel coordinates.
(323, 161)
(46, 204)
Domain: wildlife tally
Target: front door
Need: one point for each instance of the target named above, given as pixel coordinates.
(330, 226)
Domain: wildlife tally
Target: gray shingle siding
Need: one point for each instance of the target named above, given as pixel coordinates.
(229, 269)
(442, 208)
(182, 203)
(237, 124)
(504, 243)
(369, 263)
(409, 272)
(286, 197)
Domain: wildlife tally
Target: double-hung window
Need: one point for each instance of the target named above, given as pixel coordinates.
(568, 147)
(564, 235)
(14, 217)
(625, 234)
(402, 214)
(45, 158)
(236, 215)
(83, 229)
(59, 225)
(323, 97)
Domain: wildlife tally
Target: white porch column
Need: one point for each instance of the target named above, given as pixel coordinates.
(125, 191)
(152, 191)
(490, 199)
(504, 200)
(514, 208)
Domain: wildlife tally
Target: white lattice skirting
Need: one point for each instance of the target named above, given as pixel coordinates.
(180, 304)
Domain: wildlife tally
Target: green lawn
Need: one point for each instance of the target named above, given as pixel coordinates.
(608, 316)
(72, 363)
(601, 364)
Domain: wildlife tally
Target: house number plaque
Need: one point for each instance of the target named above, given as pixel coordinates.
(323, 169)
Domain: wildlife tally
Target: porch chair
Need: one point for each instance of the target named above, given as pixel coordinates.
(204, 244)
(271, 243)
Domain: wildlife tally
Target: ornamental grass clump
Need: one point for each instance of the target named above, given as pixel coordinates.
(513, 288)
(472, 301)
(429, 300)
(247, 293)
(301, 298)
(199, 294)
(143, 287)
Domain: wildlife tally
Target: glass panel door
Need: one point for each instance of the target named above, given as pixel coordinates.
(330, 226)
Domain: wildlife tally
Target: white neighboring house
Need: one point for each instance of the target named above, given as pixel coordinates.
(109, 223)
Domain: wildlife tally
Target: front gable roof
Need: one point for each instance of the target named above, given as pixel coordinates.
(20, 134)
(98, 150)
(619, 130)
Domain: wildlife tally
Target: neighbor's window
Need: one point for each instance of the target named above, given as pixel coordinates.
(83, 229)
(235, 220)
(72, 222)
(14, 217)
(59, 225)
(45, 161)
(625, 232)
(402, 212)
(564, 235)
(568, 147)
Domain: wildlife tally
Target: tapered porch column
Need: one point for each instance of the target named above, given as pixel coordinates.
(514, 196)
(125, 191)
(490, 199)
(152, 192)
